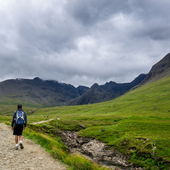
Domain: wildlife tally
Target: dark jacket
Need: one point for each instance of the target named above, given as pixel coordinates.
(14, 118)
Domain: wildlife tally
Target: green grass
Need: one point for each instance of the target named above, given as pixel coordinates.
(15, 100)
(5, 119)
(143, 113)
(7, 110)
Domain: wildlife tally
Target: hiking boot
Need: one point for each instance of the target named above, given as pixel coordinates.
(21, 146)
(16, 147)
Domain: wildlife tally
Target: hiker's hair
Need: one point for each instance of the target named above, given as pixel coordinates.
(19, 106)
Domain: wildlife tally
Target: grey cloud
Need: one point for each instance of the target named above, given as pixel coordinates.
(82, 42)
(45, 36)
(91, 12)
(152, 19)
(159, 33)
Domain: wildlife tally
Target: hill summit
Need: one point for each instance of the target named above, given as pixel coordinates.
(159, 70)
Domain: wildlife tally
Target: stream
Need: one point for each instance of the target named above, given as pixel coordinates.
(96, 151)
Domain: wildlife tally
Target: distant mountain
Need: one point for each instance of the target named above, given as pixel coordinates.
(39, 92)
(158, 71)
(82, 89)
(99, 93)
(52, 93)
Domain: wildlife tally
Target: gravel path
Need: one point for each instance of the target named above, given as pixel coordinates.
(41, 122)
(32, 157)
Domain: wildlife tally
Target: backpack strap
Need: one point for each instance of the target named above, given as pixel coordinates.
(17, 115)
(22, 116)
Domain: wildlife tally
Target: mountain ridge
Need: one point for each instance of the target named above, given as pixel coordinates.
(158, 70)
(53, 93)
(110, 90)
(37, 91)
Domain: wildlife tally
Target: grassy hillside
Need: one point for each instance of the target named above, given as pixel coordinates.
(151, 100)
(37, 92)
(137, 123)
(139, 119)
(7, 110)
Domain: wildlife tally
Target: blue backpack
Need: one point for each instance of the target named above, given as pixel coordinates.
(20, 117)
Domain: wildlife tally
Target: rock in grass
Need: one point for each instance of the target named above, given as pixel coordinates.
(77, 141)
(84, 127)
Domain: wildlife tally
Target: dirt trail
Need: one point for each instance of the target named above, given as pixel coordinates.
(41, 121)
(32, 157)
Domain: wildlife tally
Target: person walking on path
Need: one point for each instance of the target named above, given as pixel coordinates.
(18, 124)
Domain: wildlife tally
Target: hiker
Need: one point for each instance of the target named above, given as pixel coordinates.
(19, 121)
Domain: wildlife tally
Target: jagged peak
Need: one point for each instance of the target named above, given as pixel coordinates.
(37, 78)
(94, 85)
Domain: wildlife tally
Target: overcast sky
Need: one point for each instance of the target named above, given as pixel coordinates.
(82, 42)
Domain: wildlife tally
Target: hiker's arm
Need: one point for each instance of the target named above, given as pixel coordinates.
(25, 124)
(12, 122)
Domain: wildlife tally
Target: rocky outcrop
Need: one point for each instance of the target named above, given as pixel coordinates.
(96, 150)
(158, 71)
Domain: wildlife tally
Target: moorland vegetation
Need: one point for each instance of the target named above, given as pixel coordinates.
(140, 119)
